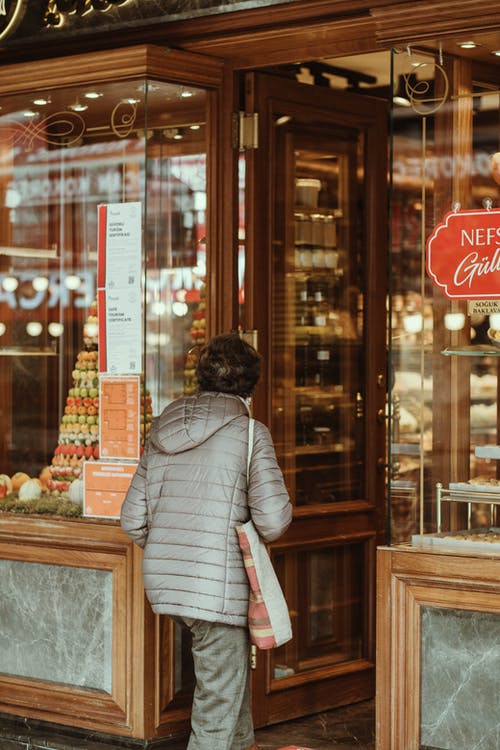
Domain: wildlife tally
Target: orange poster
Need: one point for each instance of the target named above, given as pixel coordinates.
(105, 487)
(119, 417)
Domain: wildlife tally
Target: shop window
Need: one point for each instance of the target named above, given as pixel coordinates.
(62, 154)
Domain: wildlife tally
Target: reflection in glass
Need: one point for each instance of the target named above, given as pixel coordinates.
(325, 595)
(318, 323)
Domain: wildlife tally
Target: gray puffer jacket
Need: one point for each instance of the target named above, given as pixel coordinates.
(188, 495)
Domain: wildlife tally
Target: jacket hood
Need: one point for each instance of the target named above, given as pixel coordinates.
(189, 421)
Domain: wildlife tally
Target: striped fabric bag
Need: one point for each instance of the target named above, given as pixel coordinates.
(268, 617)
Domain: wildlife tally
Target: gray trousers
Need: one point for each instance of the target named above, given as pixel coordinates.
(221, 717)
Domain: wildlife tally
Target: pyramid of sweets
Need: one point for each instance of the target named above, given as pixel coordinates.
(199, 324)
(79, 428)
(198, 337)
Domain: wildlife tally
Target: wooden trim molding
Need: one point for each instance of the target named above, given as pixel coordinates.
(115, 65)
(399, 24)
(410, 580)
(93, 546)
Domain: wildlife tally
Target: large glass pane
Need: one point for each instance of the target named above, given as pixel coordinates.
(444, 358)
(61, 155)
(318, 320)
(326, 597)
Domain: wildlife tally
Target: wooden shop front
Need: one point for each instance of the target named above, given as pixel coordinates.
(262, 185)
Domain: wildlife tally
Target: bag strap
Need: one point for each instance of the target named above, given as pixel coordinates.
(251, 424)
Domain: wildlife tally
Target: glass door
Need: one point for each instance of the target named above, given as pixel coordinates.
(317, 194)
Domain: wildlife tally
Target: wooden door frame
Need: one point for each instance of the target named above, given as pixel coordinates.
(362, 520)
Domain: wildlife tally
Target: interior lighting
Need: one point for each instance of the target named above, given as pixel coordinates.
(72, 282)
(194, 127)
(29, 113)
(413, 323)
(179, 309)
(405, 83)
(495, 52)
(34, 328)
(454, 321)
(158, 308)
(93, 95)
(56, 329)
(468, 44)
(10, 283)
(131, 100)
(40, 283)
(186, 94)
(90, 330)
(2, 329)
(78, 107)
(41, 101)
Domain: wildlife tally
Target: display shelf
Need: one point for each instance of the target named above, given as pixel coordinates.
(472, 350)
(468, 494)
(316, 450)
(335, 213)
(23, 351)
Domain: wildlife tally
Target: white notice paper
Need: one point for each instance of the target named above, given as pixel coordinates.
(119, 288)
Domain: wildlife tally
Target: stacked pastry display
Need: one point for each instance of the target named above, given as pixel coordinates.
(79, 428)
(198, 337)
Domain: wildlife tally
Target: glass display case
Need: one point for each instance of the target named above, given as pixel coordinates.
(132, 127)
(63, 153)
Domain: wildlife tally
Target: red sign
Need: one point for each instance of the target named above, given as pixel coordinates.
(463, 254)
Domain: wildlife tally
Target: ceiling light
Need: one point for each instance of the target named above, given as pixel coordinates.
(413, 323)
(194, 127)
(186, 94)
(283, 119)
(406, 84)
(131, 101)
(93, 95)
(495, 52)
(41, 101)
(180, 309)
(468, 45)
(29, 113)
(72, 282)
(78, 107)
(34, 328)
(40, 283)
(55, 329)
(90, 330)
(454, 321)
(10, 283)
(158, 308)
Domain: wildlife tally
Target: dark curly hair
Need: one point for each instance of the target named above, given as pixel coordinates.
(228, 364)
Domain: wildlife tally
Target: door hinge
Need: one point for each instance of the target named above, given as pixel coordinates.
(253, 657)
(245, 130)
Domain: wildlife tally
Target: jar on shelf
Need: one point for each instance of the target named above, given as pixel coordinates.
(322, 368)
(303, 241)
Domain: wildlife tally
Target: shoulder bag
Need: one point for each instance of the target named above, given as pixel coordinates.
(268, 616)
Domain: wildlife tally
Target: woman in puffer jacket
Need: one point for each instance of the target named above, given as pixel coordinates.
(187, 497)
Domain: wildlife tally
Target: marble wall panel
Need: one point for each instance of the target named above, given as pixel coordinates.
(460, 679)
(56, 623)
